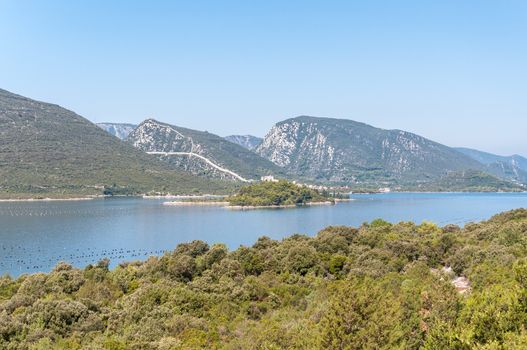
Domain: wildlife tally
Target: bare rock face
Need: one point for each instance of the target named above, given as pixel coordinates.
(247, 141)
(119, 130)
(462, 285)
(342, 150)
(200, 152)
(153, 136)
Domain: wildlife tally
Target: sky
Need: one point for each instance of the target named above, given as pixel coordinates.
(454, 71)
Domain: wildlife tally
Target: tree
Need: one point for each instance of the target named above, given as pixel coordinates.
(360, 315)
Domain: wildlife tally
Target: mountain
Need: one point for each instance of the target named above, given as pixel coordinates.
(46, 150)
(486, 158)
(468, 181)
(345, 151)
(509, 167)
(200, 152)
(121, 130)
(248, 141)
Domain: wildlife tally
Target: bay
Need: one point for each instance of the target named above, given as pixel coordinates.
(34, 236)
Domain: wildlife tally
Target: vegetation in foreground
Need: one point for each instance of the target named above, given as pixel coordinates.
(379, 286)
(280, 193)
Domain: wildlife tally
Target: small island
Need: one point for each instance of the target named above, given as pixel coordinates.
(276, 194)
(266, 194)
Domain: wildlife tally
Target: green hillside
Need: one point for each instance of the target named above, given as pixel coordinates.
(509, 167)
(46, 150)
(467, 181)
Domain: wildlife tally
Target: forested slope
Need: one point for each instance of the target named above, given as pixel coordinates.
(47, 150)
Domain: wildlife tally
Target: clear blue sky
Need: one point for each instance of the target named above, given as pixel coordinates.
(451, 70)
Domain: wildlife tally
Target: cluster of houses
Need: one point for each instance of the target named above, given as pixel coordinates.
(271, 178)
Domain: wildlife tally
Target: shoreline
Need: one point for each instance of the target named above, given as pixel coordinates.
(438, 192)
(289, 206)
(198, 204)
(49, 199)
(209, 196)
(184, 196)
(226, 205)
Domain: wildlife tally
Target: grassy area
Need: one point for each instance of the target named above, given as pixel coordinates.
(48, 151)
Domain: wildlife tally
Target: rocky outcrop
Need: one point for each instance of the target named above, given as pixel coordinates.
(340, 150)
(119, 130)
(199, 152)
(247, 141)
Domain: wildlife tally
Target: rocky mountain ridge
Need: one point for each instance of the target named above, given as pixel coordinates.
(345, 151)
(200, 152)
(247, 141)
(513, 167)
(120, 130)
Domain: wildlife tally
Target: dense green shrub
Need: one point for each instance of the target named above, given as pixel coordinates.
(279, 193)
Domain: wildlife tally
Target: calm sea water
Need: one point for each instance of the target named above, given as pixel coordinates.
(34, 236)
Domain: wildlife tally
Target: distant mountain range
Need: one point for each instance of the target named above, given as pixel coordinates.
(345, 151)
(512, 168)
(48, 150)
(248, 141)
(508, 167)
(467, 180)
(120, 130)
(200, 152)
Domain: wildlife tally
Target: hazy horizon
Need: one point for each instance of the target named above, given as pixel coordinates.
(452, 72)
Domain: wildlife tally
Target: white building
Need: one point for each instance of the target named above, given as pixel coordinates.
(269, 178)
